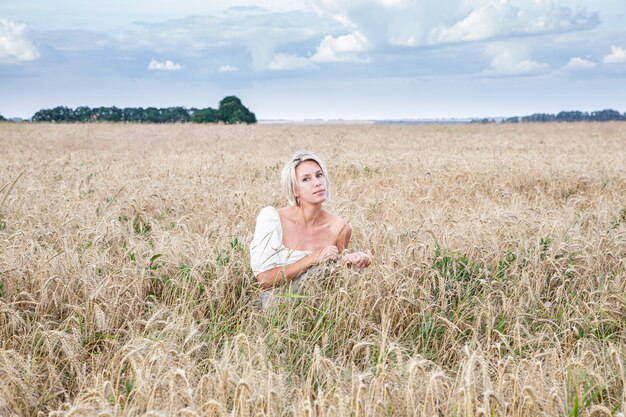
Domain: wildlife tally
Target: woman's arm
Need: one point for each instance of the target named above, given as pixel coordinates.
(283, 274)
(343, 239)
(356, 259)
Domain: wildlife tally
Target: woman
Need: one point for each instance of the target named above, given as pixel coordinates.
(292, 240)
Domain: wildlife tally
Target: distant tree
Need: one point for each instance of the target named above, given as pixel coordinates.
(82, 114)
(231, 111)
(174, 114)
(57, 114)
(106, 114)
(115, 114)
(514, 119)
(99, 114)
(2, 119)
(207, 115)
(483, 121)
(132, 114)
(42, 115)
(572, 116)
(539, 117)
(151, 115)
(606, 115)
(63, 114)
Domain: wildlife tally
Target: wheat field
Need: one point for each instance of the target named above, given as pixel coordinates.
(497, 288)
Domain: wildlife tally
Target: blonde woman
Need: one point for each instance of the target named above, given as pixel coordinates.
(292, 240)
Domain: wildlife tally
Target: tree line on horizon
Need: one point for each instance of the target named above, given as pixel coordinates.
(230, 111)
(563, 116)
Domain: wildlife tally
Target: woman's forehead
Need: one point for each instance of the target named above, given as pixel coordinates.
(307, 167)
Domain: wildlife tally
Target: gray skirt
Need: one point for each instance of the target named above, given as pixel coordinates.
(276, 295)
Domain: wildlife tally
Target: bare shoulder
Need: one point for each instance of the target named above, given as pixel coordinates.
(283, 210)
(337, 223)
(341, 230)
(287, 214)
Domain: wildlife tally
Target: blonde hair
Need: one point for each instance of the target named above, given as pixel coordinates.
(288, 178)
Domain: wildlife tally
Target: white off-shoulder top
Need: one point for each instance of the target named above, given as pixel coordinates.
(267, 251)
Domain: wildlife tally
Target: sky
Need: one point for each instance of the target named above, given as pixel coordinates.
(316, 59)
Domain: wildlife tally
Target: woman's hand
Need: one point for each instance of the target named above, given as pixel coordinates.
(327, 253)
(358, 259)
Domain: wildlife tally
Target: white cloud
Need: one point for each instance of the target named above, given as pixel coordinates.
(513, 59)
(392, 3)
(346, 48)
(289, 62)
(578, 63)
(486, 21)
(228, 68)
(14, 43)
(617, 56)
(419, 23)
(234, 35)
(491, 19)
(166, 65)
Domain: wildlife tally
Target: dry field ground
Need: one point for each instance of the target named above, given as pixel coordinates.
(498, 286)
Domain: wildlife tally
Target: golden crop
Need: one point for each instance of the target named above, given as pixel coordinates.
(498, 284)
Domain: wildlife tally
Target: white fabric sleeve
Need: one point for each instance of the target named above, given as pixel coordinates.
(267, 242)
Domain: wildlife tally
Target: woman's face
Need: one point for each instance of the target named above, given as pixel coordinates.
(310, 183)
